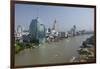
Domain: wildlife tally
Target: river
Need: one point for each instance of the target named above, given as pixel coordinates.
(51, 53)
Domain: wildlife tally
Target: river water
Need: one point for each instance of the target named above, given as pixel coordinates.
(51, 53)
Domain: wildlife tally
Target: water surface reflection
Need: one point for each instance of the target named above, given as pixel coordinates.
(50, 53)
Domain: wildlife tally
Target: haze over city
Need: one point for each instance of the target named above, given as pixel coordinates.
(47, 34)
(66, 17)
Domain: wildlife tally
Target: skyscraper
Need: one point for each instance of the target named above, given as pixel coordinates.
(37, 30)
(54, 25)
(19, 31)
(33, 28)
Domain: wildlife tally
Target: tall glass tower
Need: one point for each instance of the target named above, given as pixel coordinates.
(37, 30)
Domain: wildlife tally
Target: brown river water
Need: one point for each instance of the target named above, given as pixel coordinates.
(51, 53)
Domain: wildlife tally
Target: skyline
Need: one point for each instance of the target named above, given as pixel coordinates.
(66, 17)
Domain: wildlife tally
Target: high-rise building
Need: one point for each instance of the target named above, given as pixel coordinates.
(37, 30)
(54, 25)
(33, 28)
(74, 30)
(19, 31)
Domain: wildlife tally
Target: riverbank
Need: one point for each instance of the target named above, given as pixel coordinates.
(49, 53)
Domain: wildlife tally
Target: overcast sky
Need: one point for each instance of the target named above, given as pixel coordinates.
(66, 17)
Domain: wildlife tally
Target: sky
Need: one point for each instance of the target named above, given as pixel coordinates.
(65, 17)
